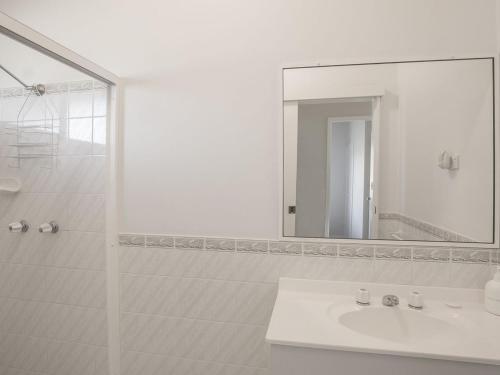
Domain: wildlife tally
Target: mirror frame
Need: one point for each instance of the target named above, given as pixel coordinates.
(496, 161)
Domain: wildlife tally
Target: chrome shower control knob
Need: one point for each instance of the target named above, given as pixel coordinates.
(51, 227)
(19, 227)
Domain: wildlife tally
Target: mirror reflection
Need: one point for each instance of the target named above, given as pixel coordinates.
(395, 151)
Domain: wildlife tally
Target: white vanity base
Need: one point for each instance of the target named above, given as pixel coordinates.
(289, 360)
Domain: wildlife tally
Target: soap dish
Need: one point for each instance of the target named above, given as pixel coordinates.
(10, 184)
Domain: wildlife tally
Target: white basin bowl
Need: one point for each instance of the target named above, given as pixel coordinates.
(394, 324)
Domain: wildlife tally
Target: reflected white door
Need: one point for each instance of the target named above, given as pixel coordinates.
(374, 168)
(348, 178)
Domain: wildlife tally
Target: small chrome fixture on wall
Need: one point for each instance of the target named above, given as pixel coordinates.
(19, 227)
(50, 227)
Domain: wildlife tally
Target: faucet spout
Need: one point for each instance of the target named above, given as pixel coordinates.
(390, 300)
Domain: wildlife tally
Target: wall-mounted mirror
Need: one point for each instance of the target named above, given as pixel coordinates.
(390, 151)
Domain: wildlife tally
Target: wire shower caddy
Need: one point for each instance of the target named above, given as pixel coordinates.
(35, 134)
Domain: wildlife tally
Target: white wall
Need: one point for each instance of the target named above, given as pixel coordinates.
(199, 158)
(457, 117)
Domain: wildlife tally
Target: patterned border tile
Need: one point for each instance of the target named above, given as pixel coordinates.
(131, 240)
(220, 244)
(398, 253)
(189, 243)
(431, 254)
(252, 246)
(320, 249)
(310, 248)
(159, 241)
(355, 251)
(283, 247)
(470, 256)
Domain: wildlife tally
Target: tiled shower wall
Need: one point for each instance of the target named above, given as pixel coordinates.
(52, 286)
(200, 306)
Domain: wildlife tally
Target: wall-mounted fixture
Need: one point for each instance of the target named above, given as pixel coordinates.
(50, 227)
(34, 129)
(447, 160)
(10, 184)
(19, 227)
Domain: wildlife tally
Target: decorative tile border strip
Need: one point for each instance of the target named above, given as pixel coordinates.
(310, 248)
(389, 252)
(441, 233)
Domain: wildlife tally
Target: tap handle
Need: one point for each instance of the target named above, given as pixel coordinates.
(19, 227)
(416, 300)
(50, 227)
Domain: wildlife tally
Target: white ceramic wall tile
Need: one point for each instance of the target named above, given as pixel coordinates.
(150, 294)
(35, 208)
(469, 275)
(202, 310)
(25, 352)
(85, 212)
(20, 317)
(243, 345)
(83, 250)
(70, 358)
(431, 273)
(348, 269)
(53, 317)
(319, 268)
(23, 281)
(392, 271)
(85, 288)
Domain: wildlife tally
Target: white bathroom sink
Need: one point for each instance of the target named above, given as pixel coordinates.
(453, 324)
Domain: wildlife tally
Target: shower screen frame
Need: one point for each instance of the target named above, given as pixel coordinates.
(39, 42)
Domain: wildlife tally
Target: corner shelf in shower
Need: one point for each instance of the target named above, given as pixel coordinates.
(10, 184)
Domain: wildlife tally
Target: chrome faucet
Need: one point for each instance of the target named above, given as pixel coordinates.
(390, 300)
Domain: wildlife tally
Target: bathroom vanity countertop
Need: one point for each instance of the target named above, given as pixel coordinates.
(323, 314)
